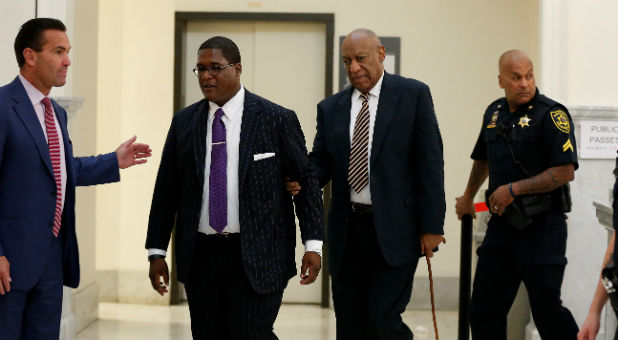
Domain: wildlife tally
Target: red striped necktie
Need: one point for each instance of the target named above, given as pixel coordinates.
(53, 141)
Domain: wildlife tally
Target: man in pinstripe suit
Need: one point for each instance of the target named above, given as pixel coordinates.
(221, 180)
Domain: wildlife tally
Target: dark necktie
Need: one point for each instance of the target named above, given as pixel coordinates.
(217, 181)
(53, 142)
(358, 172)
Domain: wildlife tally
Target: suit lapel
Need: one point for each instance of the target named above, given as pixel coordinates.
(386, 110)
(251, 110)
(65, 141)
(24, 110)
(200, 127)
(342, 126)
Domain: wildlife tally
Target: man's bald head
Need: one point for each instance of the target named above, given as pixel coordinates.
(365, 34)
(362, 55)
(512, 56)
(516, 77)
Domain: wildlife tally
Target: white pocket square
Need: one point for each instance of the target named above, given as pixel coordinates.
(260, 156)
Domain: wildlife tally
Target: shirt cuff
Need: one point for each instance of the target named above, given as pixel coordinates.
(314, 245)
(155, 251)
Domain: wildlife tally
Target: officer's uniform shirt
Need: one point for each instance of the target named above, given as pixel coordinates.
(540, 133)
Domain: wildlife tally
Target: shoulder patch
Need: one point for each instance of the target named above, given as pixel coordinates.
(561, 120)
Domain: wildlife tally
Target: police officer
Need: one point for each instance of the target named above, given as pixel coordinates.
(527, 148)
(591, 325)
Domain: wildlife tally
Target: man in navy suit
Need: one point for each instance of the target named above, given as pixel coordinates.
(221, 182)
(379, 143)
(38, 175)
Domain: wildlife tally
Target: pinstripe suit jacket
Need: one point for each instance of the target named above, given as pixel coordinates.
(267, 224)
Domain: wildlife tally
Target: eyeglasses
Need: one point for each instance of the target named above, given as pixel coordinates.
(212, 70)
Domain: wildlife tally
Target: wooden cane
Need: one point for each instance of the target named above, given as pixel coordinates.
(433, 304)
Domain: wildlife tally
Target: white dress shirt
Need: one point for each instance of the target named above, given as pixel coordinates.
(364, 196)
(36, 97)
(232, 119)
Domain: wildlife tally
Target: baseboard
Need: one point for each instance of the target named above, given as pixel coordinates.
(85, 306)
(108, 285)
(134, 287)
(128, 287)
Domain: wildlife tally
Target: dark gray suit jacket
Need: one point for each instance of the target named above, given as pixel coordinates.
(406, 165)
(267, 224)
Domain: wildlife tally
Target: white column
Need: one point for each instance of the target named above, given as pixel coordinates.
(570, 67)
(554, 16)
(67, 321)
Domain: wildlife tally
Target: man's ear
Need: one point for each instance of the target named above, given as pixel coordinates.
(238, 69)
(30, 56)
(381, 53)
(500, 82)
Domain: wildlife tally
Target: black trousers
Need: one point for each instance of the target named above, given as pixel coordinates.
(507, 257)
(222, 302)
(368, 294)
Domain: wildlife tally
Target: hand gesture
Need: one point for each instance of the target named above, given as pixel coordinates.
(130, 153)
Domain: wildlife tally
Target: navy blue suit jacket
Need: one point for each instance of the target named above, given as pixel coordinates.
(28, 189)
(406, 165)
(266, 209)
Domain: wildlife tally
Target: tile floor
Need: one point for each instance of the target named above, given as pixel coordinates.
(127, 321)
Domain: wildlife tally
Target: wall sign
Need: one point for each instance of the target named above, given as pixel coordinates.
(599, 139)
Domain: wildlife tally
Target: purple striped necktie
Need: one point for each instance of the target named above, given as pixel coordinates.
(53, 142)
(217, 181)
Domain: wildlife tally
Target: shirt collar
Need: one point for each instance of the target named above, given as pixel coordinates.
(527, 107)
(232, 107)
(375, 90)
(34, 94)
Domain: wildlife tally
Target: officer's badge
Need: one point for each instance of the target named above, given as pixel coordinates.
(524, 121)
(566, 146)
(561, 120)
(494, 119)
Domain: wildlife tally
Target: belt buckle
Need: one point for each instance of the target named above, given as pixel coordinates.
(359, 208)
(224, 234)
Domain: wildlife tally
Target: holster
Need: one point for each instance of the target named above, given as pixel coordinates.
(516, 215)
(519, 213)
